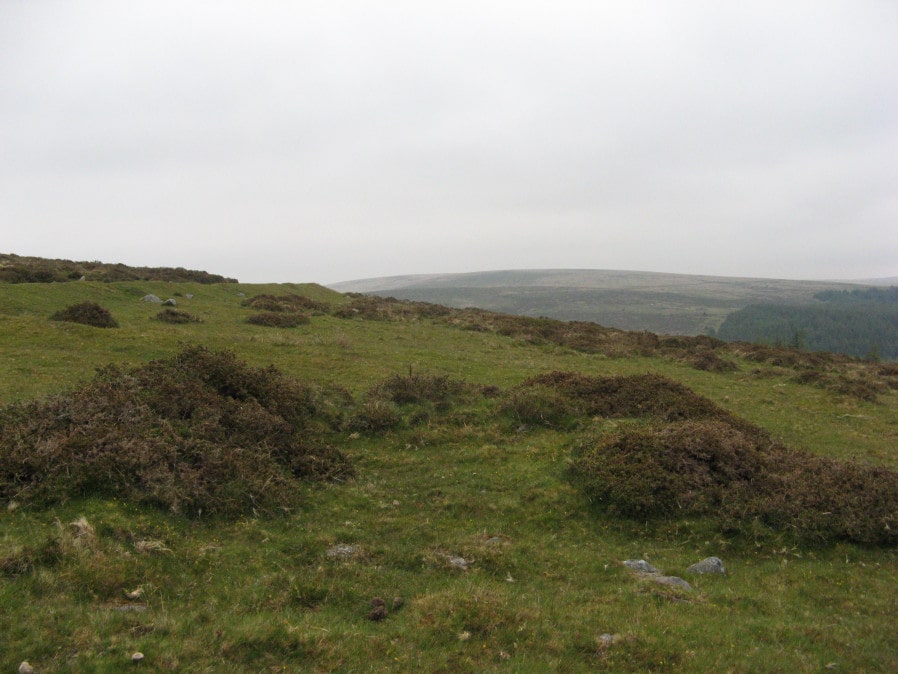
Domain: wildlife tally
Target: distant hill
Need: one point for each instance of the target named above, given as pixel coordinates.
(629, 300)
(24, 269)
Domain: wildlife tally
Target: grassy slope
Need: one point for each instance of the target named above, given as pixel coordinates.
(662, 303)
(258, 594)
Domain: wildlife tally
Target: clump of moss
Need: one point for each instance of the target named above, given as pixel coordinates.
(198, 433)
(86, 313)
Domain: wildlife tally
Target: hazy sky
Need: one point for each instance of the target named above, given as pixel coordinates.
(328, 141)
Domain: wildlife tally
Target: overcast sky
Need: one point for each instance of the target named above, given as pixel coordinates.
(328, 141)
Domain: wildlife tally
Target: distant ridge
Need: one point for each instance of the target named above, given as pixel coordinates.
(25, 269)
(659, 302)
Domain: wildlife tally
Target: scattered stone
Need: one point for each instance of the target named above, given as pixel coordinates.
(137, 657)
(25, 668)
(495, 540)
(378, 609)
(150, 546)
(640, 565)
(342, 551)
(170, 303)
(136, 593)
(151, 298)
(125, 608)
(241, 294)
(709, 565)
(673, 581)
(459, 563)
(189, 296)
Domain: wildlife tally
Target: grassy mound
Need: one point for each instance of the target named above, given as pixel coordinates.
(709, 467)
(86, 313)
(199, 433)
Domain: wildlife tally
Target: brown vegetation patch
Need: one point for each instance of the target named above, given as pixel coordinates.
(285, 303)
(272, 319)
(176, 317)
(712, 468)
(646, 395)
(86, 313)
(199, 433)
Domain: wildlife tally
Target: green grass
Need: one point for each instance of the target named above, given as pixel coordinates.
(545, 579)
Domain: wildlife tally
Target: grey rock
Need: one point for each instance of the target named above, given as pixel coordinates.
(673, 581)
(151, 298)
(169, 303)
(341, 551)
(708, 565)
(640, 565)
(458, 562)
(25, 668)
(189, 296)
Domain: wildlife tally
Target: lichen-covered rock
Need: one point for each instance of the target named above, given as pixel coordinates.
(640, 565)
(708, 565)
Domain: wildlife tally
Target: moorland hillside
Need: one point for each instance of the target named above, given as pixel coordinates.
(281, 477)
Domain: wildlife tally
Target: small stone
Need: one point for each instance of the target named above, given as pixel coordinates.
(640, 565)
(342, 551)
(708, 565)
(398, 603)
(151, 298)
(458, 562)
(495, 540)
(137, 657)
(25, 668)
(673, 581)
(170, 303)
(136, 593)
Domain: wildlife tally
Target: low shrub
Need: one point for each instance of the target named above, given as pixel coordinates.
(711, 468)
(199, 433)
(86, 313)
(176, 317)
(375, 416)
(416, 388)
(635, 396)
(285, 304)
(278, 320)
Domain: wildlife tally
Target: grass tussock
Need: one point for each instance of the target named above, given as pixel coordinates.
(86, 313)
(711, 468)
(199, 433)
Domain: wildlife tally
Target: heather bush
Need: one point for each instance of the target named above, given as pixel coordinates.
(647, 395)
(711, 468)
(199, 433)
(86, 313)
(273, 319)
(285, 304)
(176, 317)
